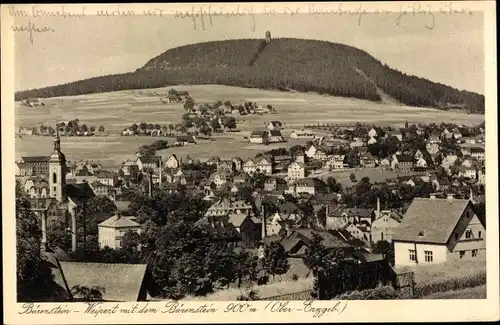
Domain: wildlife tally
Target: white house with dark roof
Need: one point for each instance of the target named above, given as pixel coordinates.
(111, 230)
(437, 230)
(259, 136)
(275, 136)
(172, 162)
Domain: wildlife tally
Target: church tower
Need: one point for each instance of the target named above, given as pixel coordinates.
(57, 171)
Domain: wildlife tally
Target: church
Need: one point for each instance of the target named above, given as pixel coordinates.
(52, 197)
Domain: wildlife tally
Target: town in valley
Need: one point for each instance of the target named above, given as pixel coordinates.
(204, 196)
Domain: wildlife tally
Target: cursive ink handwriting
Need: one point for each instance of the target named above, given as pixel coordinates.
(30, 28)
(201, 13)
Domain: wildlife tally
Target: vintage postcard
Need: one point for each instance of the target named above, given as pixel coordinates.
(251, 162)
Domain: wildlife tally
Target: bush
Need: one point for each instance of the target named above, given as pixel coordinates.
(458, 283)
(379, 293)
(250, 296)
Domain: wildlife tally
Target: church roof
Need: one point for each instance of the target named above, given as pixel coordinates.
(79, 193)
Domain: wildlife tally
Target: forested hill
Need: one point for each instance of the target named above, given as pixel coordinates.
(282, 64)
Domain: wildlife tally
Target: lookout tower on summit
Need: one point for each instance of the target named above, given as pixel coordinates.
(268, 37)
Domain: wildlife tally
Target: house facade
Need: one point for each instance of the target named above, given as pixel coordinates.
(296, 170)
(435, 230)
(112, 230)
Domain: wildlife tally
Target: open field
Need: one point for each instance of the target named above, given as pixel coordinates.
(117, 110)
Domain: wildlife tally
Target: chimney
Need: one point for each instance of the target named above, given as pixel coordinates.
(264, 221)
(150, 184)
(44, 230)
(449, 197)
(288, 228)
(378, 207)
(160, 172)
(73, 232)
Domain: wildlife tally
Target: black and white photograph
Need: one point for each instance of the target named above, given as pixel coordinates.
(249, 152)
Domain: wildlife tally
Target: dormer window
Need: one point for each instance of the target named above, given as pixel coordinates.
(421, 234)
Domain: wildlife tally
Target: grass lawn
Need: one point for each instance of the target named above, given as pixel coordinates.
(117, 110)
(468, 293)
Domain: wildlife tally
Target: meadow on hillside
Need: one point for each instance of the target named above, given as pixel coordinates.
(118, 110)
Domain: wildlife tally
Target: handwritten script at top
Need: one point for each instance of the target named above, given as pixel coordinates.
(205, 16)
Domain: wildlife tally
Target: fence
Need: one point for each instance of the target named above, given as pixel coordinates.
(405, 282)
(300, 295)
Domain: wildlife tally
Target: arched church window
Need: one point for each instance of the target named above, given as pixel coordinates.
(54, 178)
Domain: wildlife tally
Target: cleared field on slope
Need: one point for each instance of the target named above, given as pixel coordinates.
(117, 110)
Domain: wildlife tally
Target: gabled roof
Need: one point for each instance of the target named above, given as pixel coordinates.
(275, 133)
(237, 218)
(121, 282)
(118, 221)
(435, 219)
(31, 159)
(259, 133)
(79, 193)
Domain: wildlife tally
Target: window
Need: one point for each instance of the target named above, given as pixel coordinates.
(54, 178)
(412, 255)
(474, 252)
(462, 253)
(468, 234)
(421, 234)
(479, 234)
(428, 256)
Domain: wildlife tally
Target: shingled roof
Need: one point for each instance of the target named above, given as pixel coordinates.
(121, 282)
(118, 221)
(36, 159)
(433, 219)
(79, 193)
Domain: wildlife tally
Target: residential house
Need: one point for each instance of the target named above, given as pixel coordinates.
(220, 178)
(477, 152)
(226, 165)
(372, 140)
(275, 126)
(100, 189)
(241, 177)
(25, 131)
(456, 134)
(434, 138)
(418, 154)
(468, 172)
(264, 165)
(308, 185)
(396, 134)
(302, 134)
(421, 163)
(372, 133)
(359, 231)
(383, 226)
(357, 142)
(280, 222)
(438, 230)
(272, 184)
(148, 162)
(446, 134)
(130, 168)
(128, 132)
(432, 147)
(335, 162)
(238, 163)
(296, 170)
(275, 136)
(367, 160)
(172, 162)
(249, 166)
(402, 163)
(342, 216)
(112, 230)
(214, 160)
(259, 136)
(225, 206)
(185, 140)
(249, 228)
(106, 177)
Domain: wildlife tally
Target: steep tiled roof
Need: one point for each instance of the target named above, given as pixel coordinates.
(121, 282)
(32, 159)
(118, 221)
(237, 219)
(434, 219)
(79, 193)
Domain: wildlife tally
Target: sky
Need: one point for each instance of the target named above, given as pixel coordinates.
(452, 52)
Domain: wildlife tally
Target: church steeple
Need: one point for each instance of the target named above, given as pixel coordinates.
(57, 140)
